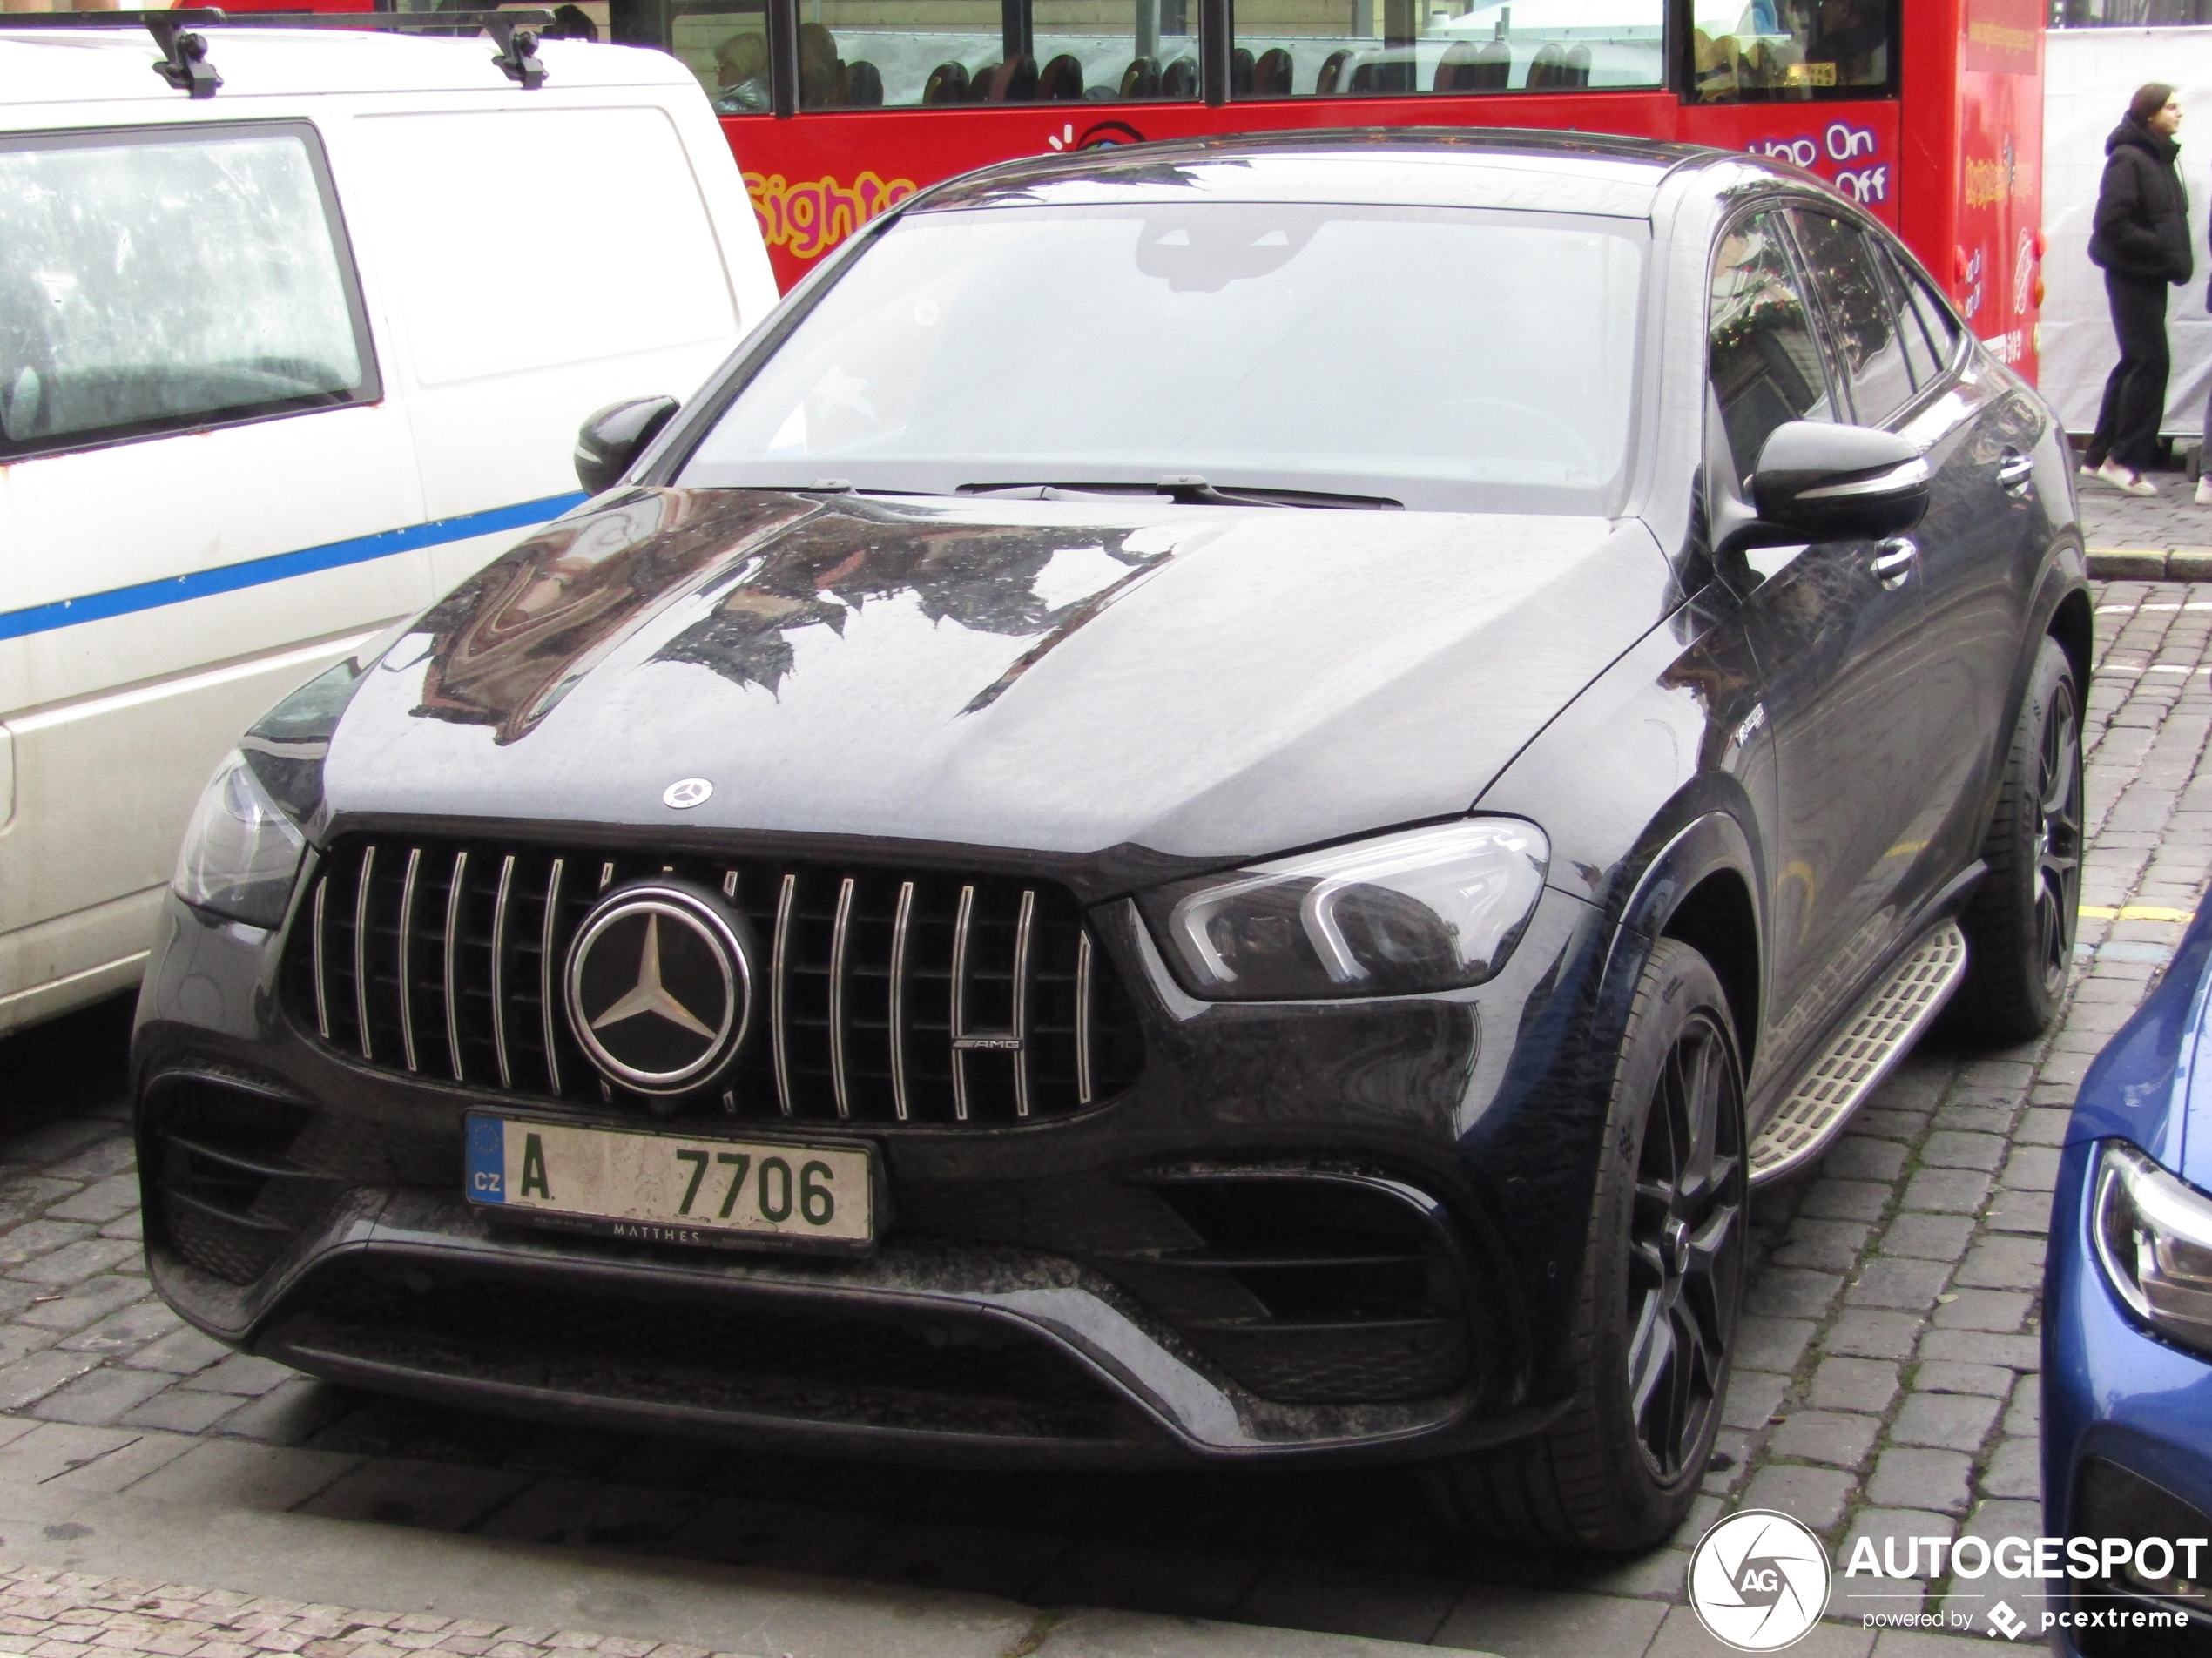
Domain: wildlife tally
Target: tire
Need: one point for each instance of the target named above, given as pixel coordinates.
(2020, 923)
(1662, 1284)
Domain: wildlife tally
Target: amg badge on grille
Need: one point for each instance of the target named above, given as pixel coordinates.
(659, 985)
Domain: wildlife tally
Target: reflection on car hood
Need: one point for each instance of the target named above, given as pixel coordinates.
(2152, 1083)
(1062, 677)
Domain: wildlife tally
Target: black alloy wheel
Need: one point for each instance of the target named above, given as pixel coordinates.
(1661, 1283)
(2020, 924)
(2057, 839)
(1685, 1249)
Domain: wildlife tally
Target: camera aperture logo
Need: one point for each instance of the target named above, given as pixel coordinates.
(1759, 1580)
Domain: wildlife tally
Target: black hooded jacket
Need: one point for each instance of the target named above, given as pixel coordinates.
(2142, 224)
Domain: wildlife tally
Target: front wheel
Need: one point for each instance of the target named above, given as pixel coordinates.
(2019, 927)
(1662, 1282)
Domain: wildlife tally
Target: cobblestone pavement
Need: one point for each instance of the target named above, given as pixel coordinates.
(52, 1614)
(1885, 1381)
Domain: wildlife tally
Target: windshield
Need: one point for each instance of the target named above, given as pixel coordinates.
(1433, 358)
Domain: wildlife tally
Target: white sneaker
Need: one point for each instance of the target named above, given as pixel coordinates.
(2127, 480)
(2204, 490)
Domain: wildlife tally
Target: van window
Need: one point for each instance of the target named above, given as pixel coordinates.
(524, 239)
(1373, 48)
(155, 280)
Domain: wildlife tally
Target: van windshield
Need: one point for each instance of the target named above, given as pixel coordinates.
(1439, 358)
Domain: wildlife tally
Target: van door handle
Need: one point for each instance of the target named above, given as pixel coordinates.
(2015, 471)
(1893, 561)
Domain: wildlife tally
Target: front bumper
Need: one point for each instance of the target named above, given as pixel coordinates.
(2124, 1443)
(1014, 1308)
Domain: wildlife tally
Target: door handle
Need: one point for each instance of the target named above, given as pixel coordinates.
(1893, 561)
(2015, 471)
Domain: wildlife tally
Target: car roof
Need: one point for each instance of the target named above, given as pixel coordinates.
(48, 66)
(1511, 168)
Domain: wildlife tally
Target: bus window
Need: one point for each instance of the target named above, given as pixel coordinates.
(1372, 48)
(725, 42)
(870, 54)
(1747, 50)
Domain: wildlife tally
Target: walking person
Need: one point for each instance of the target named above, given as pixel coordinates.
(2141, 240)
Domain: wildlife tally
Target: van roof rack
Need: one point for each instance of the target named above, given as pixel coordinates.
(184, 49)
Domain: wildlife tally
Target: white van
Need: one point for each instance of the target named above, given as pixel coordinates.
(281, 364)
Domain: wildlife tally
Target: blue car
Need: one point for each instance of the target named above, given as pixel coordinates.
(2127, 1327)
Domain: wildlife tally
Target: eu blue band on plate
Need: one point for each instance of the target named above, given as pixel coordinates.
(487, 1160)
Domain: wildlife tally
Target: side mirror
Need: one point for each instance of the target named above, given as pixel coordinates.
(607, 441)
(1830, 483)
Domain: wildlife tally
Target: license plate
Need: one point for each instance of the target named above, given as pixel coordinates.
(666, 1188)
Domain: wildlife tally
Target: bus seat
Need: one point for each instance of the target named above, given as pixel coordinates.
(1578, 66)
(1497, 66)
(947, 83)
(1547, 69)
(860, 86)
(1363, 78)
(1062, 80)
(1014, 81)
(1240, 72)
(1180, 79)
(1142, 78)
(1330, 79)
(1459, 69)
(1272, 75)
(979, 82)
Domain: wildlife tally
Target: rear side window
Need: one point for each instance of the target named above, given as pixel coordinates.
(156, 280)
(1764, 362)
(1841, 263)
(1926, 358)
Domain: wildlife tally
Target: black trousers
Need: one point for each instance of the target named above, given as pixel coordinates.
(2134, 398)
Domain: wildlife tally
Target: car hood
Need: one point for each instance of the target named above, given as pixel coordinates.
(2152, 1082)
(1058, 677)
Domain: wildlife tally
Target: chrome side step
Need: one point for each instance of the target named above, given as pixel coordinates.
(1870, 1041)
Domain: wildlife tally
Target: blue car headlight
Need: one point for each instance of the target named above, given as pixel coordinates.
(241, 851)
(2153, 1239)
(1421, 910)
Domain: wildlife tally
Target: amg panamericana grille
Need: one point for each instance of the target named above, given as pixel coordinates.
(879, 995)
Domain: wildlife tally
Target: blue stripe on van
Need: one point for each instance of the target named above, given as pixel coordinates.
(278, 567)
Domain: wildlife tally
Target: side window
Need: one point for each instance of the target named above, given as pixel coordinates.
(1764, 360)
(725, 42)
(1845, 275)
(907, 54)
(1935, 316)
(1374, 48)
(1922, 355)
(156, 279)
(1754, 50)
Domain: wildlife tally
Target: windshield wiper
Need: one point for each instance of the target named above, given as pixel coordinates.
(1188, 490)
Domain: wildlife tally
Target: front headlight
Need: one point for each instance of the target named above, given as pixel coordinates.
(1423, 910)
(241, 852)
(2154, 1236)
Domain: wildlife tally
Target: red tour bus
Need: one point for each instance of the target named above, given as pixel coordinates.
(1930, 115)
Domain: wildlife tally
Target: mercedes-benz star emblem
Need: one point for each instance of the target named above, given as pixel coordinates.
(686, 793)
(660, 986)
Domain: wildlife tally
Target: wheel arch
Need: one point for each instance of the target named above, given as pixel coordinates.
(1700, 889)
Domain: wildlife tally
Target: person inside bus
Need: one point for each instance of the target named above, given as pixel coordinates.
(818, 67)
(2141, 239)
(741, 72)
(1854, 35)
